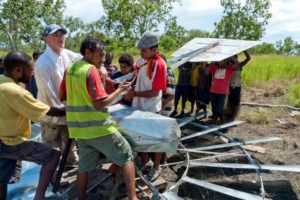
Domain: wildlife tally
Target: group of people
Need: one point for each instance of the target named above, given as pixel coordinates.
(71, 103)
(218, 83)
(73, 92)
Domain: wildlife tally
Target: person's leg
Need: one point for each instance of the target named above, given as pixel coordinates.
(163, 158)
(129, 179)
(34, 152)
(146, 161)
(154, 173)
(157, 159)
(198, 107)
(235, 110)
(88, 160)
(10, 171)
(221, 98)
(116, 148)
(236, 103)
(214, 107)
(230, 103)
(183, 102)
(46, 173)
(3, 191)
(82, 182)
(192, 98)
(205, 110)
(64, 136)
(192, 107)
(177, 98)
(185, 95)
(145, 157)
(175, 106)
(49, 135)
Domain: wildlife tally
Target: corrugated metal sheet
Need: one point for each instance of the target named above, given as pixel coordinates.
(225, 48)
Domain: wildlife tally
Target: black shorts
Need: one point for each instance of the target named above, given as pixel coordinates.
(11, 157)
(203, 96)
(217, 104)
(234, 97)
(181, 91)
(192, 93)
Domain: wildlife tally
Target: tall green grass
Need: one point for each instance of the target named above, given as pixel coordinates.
(294, 95)
(266, 68)
(272, 69)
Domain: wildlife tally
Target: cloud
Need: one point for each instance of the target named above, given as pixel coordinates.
(193, 14)
(88, 11)
(199, 14)
(284, 21)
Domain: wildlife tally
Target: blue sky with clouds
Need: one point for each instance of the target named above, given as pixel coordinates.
(200, 14)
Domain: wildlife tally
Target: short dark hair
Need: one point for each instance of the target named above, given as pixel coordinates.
(127, 59)
(15, 58)
(92, 44)
(37, 53)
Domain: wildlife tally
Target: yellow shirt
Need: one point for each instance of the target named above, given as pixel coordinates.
(17, 108)
(194, 75)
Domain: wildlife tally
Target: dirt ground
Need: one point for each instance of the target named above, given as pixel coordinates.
(260, 122)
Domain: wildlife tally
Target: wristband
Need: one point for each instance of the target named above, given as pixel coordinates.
(118, 91)
(134, 94)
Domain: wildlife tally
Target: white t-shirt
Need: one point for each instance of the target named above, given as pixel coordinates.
(143, 83)
(49, 71)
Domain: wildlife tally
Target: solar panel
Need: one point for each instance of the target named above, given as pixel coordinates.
(214, 49)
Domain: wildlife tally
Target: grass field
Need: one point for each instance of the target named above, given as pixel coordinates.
(267, 68)
(275, 70)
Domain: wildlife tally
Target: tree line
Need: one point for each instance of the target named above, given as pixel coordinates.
(22, 22)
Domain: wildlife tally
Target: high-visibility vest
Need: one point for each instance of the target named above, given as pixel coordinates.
(83, 119)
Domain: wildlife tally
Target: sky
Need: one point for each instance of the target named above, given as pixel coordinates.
(201, 14)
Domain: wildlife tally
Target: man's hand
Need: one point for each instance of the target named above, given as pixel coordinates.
(124, 87)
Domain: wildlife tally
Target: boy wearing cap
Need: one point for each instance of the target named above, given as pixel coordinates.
(49, 70)
(151, 81)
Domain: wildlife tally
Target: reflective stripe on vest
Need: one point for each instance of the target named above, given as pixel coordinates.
(83, 119)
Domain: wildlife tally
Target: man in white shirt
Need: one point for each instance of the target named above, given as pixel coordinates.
(49, 70)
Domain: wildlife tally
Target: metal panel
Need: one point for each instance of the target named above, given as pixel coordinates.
(171, 196)
(226, 125)
(225, 48)
(127, 77)
(269, 139)
(177, 61)
(146, 131)
(222, 189)
(186, 120)
(285, 168)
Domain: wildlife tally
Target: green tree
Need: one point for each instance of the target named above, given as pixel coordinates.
(297, 49)
(21, 22)
(167, 43)
(128, 19)
(287, 47)
(245, 20)
(193, 33)
(175, 31)
(264, 48)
